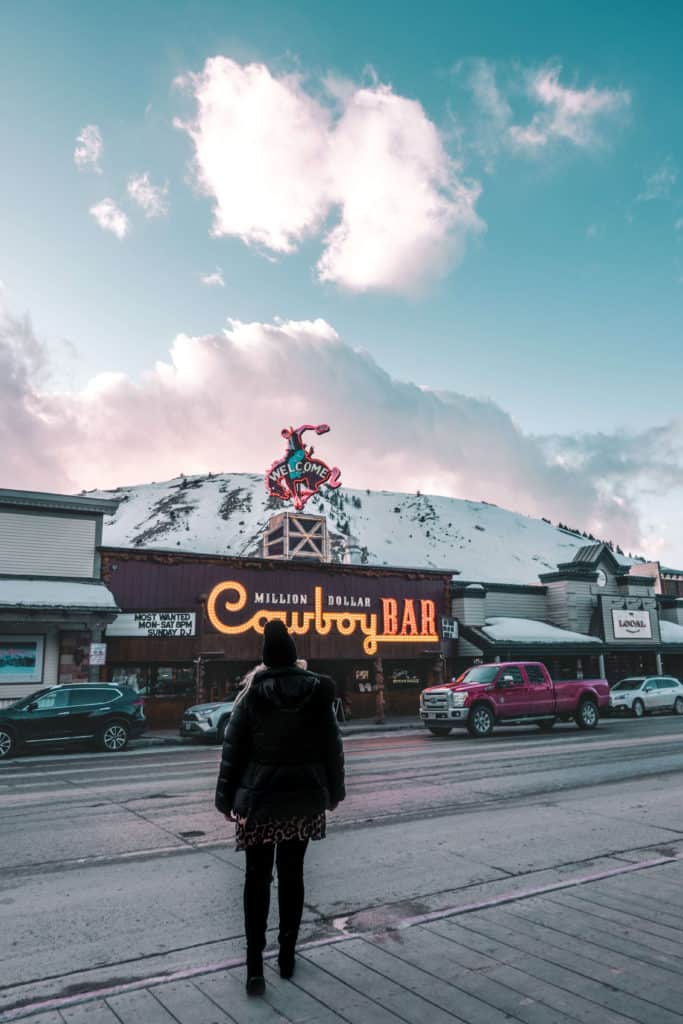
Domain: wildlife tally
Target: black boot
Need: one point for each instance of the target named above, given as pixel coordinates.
(256, 983)
(286, 959)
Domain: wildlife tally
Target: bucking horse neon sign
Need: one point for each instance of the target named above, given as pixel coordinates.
(298, 476)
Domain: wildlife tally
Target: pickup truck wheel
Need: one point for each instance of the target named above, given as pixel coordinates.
(480, 721)
(638, 708)
(588, 715)
(439, 730)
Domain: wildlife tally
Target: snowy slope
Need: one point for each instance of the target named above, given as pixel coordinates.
(225, 514)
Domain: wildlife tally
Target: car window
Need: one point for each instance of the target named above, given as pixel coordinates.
(663, 684)
(628, 684)
(90, 695)
(51, 699)
(649, 687)
(513, 671)
(534, 674)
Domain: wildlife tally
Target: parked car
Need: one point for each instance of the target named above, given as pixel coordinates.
(511, 693)
(106, 713)
(207, 721)
(640, 695)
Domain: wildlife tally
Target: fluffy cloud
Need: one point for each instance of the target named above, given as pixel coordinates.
(569, 114)
(89, 149)
(213, 280)
(659, 183)
(279, 161)
(110, 217)
(388, 433)
(151, 198)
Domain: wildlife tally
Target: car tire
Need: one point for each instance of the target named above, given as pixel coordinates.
(480, 721)
(588, 716)
(638, 709)
(439, 730)
(547, 725)
(7, 743)
(678, 706)
(113, 737)
(220, 729)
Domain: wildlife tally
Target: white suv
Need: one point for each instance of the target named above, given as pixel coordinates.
(207, 721)
(641, 694)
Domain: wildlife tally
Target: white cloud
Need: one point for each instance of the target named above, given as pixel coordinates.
(388, 433)
(89, 149)
(569, 114)
(659, 183)
(152, 198)
(278, 162)
(110, 217)
(213, 280)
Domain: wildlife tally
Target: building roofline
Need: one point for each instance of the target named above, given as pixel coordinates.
(45, 501)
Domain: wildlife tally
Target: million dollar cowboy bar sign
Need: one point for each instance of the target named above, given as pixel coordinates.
(367, 614)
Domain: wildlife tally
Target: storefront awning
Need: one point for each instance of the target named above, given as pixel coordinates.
(505, 633)
(671, 634)
(55, 596)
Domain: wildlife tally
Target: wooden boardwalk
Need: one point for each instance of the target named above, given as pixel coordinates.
(604, 952)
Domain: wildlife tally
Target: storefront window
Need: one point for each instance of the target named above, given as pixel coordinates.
(157, 680)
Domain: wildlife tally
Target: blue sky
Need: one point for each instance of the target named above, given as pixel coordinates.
(554, 291)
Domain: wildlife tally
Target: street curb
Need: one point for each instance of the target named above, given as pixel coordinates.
(345, 730)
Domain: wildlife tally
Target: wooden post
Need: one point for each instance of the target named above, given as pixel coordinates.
(379, 692)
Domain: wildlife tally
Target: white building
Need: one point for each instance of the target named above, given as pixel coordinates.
(53, 604)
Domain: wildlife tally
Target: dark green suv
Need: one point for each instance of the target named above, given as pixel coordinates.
(104, 712)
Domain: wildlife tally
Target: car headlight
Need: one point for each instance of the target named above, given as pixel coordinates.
(458, 699)
(203, 716)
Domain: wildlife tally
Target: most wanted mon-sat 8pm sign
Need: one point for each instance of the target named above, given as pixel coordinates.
(153, 624)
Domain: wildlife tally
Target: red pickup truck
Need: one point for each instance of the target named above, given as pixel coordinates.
(511, 693)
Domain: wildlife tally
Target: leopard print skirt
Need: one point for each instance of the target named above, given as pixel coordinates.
(274, 831)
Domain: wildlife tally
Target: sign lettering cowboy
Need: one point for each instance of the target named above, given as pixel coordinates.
(298, 476)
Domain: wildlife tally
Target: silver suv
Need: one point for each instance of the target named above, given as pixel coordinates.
(207, 721)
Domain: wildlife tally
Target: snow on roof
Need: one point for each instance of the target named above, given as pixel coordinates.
(532, 631)
(671, 632)
(55, 594)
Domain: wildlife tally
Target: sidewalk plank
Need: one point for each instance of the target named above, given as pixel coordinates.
(548, 965)
(134, 1007)
(226, 990)
(618, 940)
(89, 1013)
(51, 1017)
(188, 1004)
(648, 931)
(430, 953)
(438, 991)
(358, 1007)
(637, 910)
(397, 998)
(514, 976)
(297, 1005)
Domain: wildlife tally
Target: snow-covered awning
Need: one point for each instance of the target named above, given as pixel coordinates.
(503, 633)
(671, 632)
(533, 632)
(55, 595)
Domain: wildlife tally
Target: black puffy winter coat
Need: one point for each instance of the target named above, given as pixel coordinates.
(282, 754)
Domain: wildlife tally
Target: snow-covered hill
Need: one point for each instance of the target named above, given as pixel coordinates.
(225, 514)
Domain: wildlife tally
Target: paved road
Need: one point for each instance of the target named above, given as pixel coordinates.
(117, 867)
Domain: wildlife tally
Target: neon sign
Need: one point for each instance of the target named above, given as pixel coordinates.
(404, 621)
(298, 476)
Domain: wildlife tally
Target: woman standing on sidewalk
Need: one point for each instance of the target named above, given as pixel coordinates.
(282, 767)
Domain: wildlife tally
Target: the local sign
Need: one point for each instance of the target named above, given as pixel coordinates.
(631, 625)
(160, 625)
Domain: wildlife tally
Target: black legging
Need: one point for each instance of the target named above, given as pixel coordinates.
(289, 859)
